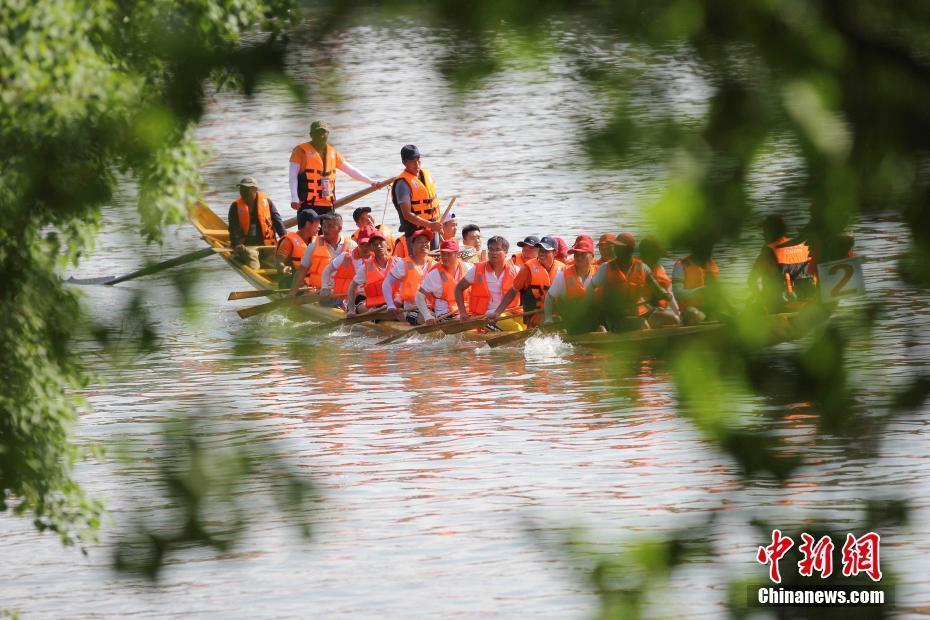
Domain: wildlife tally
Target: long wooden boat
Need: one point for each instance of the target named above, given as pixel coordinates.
(214, 231)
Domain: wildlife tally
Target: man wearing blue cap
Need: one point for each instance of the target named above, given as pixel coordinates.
(533, 280)
(414, 196)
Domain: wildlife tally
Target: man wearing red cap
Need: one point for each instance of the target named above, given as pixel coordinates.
(567, 296)
(365, 291)
(340, 272)
(406, 276)
(605, 248)
(439, 284)
(533, 280)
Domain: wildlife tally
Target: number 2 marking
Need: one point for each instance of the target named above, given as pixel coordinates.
(848, 272)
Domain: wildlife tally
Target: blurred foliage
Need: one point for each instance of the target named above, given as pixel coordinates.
(94, 93)
(209, 483)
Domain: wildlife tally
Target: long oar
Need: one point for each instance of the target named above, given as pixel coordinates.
(234, 295)
(146, 271)
(419, 329)
(372, 315)
(463, 326)
(299, 300)
(350, 198)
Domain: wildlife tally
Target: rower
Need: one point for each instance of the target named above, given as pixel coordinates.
(665, 308)
(339, 273)
(438, 285)
(312, 171)
(533, 280)
(450, 227)
(414, 196)
(780, 263)
(471, 245)
(568, 296)
(406, 277)
(528, 251)
(253, 220)
(561, 251)
(621, 285)
(327, 246)
(365, 292)
(605, 248)
(291, 246)
(363, 218)
(693, 278)
(488, 281)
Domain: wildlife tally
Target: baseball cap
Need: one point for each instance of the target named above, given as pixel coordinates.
(626, 239)
(421, 233)
(450, 245)
(547, 243)
(376, 234)
(408, 152)
(607, 238)
(306, 215)
(247, 182)
(583, 243)
(364, 235)
(358, 212)
(319, 125)
(529, 241)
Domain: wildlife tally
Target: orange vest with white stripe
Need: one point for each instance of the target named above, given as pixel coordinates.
(413, 277)
(374, 277)
(696, 277)
(574, 285)
(423, 201)
(316, 184)
(792, 259)
(540, 280)
(320, 258)
(345, 273)
(449, 281)
(480, 295)
(630, 285)
(264, 218)
(297, 248)
(400, 247)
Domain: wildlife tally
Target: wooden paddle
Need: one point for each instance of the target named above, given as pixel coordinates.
(145, 271)
(350, 198)
(234, 295)
(299, 300)
(481, 321)
(419, 329)
(378, 313)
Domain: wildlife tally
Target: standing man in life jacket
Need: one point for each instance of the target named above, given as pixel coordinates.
(438, 286)
(488, 281)
(363, 219)
(568, 297)
(528, 251)
(253, 221)
(695, 282)
(365, 292)
(779, 265)
(312, 171)
(291, 246)
(327, 246)
(533, 280)
(406, 276)
(622, 285)
(414, 197)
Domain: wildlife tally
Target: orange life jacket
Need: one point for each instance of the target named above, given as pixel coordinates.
(400, 247)
(319, 259)
(661, 276)
(480, 295)
(297, 248)
(423, 201)
(316, 184)
(517, 260)
(374, 277)
(695, 277)
(574, 285)
(264, 218)
(630, 285)
(413, 278)
(345, 273)
(449, 281)
(792, 259)
(384, 228)
(541, 279)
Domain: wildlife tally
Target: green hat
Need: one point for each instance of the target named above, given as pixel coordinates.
(248, 182)
(318, 125)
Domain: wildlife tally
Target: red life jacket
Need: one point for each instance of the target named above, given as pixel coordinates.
(413, 278)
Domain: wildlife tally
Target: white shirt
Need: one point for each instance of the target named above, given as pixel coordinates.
(345, 245)
(432, 284)
(494, 283)
(329, 274)
(558, 289)
(397, 275)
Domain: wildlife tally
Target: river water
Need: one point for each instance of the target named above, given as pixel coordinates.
(436, 459)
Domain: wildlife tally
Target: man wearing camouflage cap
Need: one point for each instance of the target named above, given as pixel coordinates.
(253, 221)
(312, 173)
